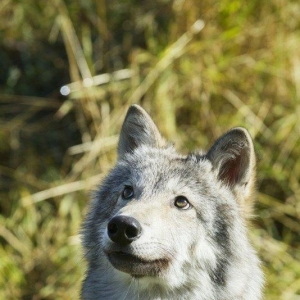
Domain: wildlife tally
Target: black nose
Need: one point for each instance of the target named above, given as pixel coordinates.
(123, 230)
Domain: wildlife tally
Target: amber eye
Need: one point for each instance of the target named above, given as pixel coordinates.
(127, 192)
(181, 202)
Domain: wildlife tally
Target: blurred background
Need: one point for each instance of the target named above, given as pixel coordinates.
(68, 72)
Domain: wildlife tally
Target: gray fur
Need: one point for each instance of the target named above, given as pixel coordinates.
(201, 252)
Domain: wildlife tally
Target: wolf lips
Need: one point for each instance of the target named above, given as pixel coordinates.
(136, 266)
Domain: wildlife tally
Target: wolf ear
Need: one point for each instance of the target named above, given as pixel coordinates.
(232, 156)
(138, 129)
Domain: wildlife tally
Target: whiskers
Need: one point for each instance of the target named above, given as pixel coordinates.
(138, 289)
(131, 281)
(163, 250)
(133, 291)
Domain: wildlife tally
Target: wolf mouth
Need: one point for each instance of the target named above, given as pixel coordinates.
(136, 266)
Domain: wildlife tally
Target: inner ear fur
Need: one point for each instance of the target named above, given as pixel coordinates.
(233, 159)
(138, 129)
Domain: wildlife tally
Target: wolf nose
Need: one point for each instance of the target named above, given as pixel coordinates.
(124, 230)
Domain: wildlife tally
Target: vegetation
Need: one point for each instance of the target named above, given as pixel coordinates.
(242, 68)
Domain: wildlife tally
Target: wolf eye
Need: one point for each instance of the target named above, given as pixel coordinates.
(127, 192)
(181, 202)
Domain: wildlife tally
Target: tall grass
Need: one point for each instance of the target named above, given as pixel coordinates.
(242, 68)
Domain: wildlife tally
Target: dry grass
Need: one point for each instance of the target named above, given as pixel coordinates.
(242, 68)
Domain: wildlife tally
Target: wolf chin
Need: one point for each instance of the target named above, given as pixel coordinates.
(169, 226)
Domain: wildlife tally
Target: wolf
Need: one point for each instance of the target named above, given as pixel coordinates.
(168, 226)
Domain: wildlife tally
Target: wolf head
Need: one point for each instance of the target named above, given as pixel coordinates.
(173, 223)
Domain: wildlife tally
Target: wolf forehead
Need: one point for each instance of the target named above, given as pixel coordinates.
(158, 167)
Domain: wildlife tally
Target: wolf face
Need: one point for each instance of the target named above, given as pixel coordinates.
(167, 226)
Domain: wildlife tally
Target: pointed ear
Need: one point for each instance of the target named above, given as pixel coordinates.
(232, 156)
(138, 129)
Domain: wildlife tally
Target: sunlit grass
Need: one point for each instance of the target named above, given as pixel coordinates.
(241, 69)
